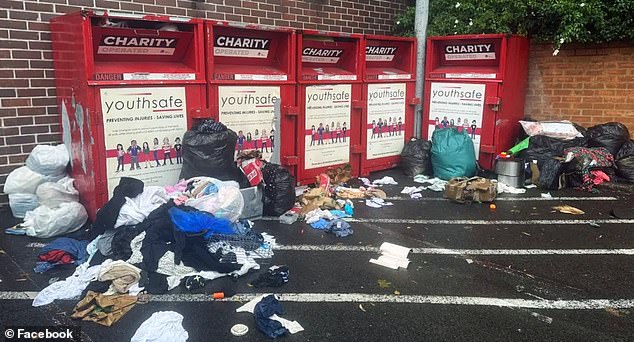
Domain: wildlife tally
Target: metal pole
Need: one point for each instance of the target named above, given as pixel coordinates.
(422, 14)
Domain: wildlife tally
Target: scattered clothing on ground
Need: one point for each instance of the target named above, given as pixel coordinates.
(102, 309)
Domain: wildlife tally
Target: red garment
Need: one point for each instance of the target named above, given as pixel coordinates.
(57, 256)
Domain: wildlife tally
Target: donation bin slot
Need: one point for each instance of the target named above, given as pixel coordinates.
(477, 84)
(330, 102)
(136, 84)
(389, 88)
(249, 69)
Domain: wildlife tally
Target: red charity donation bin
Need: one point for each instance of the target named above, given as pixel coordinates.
(389, 89)
(477, 83)
(330, 102)
(128, 87)
(249, 68)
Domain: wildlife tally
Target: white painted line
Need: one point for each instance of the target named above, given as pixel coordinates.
(449, 251)
(480, 222)
(582, 304)
(492, 222)
(516, 199)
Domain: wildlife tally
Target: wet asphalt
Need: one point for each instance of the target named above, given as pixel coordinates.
(499, 267)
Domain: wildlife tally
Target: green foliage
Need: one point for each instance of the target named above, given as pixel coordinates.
(555, 21)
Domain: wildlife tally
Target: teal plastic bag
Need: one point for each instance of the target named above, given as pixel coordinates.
(452, 154)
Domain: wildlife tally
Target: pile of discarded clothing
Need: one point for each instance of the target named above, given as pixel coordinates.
(44, 196)
(151, 240)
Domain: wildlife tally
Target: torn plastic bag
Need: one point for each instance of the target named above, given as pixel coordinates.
(279, 189)
(23, 180)
(21, 203)
(452, 154)
(48, 160)
(208, 150)
(227, 203)
(416, 158)
(53, 194)
(45, 222)
(611, 135)
(541, 147)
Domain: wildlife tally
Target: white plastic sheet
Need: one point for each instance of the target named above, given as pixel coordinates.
(21, 203)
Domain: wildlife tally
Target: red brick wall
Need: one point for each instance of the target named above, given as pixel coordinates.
(588, 85)
(28, 111)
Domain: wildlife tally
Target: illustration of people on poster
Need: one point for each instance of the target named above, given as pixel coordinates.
(386, 120)
(250, 112)
(457, 105)
(135, 120)
(327, 105)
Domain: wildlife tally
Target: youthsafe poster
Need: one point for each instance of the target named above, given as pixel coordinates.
(143, 129)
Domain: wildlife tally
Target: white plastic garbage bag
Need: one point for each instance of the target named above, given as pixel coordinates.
(21, 203)
(227, 203)
(23, 180)
(162, 326)
(45, 222)
(53, 194)
(48, 160)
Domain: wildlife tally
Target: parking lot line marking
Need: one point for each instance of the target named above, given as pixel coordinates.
(514, 199)
(491, 222)
(452, 251)
(560, 304)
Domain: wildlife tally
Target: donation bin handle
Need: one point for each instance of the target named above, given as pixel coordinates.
(146, 32)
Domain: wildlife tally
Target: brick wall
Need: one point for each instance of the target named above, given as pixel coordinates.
(588, 85)
(28, 109)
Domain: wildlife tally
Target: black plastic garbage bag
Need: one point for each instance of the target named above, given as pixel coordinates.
(279, 189)
(627, 150)
(541, 147)
(416, 158)
(550, 172)
(611, 135)
(208, 150)
(625, 162)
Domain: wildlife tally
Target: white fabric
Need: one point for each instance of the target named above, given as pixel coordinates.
(408, 190)
(503, 188)
(162, 326)
(385, 181)
(69, 288)
(48, 160)
(546, 195)
(23, 180)
(316, 214)
(365, 181)
(92, 248)
(250, 306)
(45, 222)
(435, 184)
(292, 326)
(376, 202)
(52, 194)
(137, 209)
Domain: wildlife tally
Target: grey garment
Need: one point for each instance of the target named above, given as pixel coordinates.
(104, 244)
